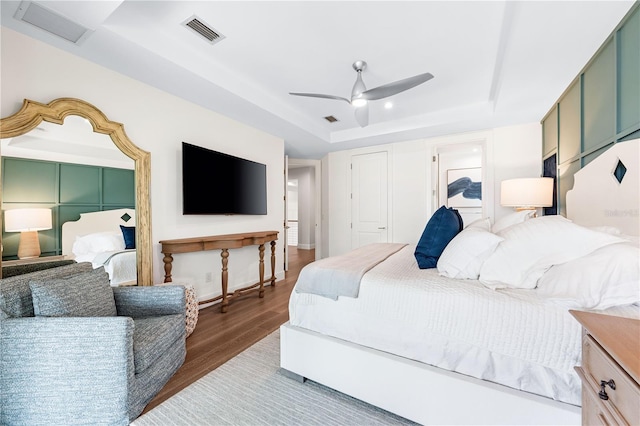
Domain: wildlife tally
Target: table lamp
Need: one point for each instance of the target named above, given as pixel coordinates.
(28, 222)
(527, 193)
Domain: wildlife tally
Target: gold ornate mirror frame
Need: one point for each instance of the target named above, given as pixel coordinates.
(31, 115)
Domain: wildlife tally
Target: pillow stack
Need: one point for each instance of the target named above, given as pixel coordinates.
(99, 242)
(568, 264)
(532, 247)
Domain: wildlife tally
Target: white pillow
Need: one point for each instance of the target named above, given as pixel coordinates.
(80, 247)
(635, 240)
(464, 255)
(512, 219)
(607, 277)
(98, 242)
(530, 248)
(484, 223)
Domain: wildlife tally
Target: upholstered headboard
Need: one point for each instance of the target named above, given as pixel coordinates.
(89, 223)
(606, 192)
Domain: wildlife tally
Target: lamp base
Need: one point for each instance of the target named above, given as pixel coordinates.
(29, 245)
(535, 210)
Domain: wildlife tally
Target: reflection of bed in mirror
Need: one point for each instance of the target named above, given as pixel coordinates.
(102, 238)
(440, 350)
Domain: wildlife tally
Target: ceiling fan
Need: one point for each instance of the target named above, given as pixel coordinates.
(360, 95)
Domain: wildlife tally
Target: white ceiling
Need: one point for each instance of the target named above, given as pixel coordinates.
(495, 62)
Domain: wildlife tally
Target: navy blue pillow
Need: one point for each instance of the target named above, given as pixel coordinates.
(441, 228)
(129, 234)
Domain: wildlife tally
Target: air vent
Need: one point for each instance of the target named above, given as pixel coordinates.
(47, 20)
(330, 118)
(203, 29)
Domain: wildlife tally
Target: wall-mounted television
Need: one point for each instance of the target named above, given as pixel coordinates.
(218, 183)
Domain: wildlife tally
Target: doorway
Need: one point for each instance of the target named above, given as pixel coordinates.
(292, 212)
(308, 175)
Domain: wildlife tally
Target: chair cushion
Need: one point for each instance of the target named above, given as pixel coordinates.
(84, 295)
(441, 228)
(15, 294)
(153, 336)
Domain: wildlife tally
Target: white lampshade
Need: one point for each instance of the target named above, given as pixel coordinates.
(19, 220)
(527, 192)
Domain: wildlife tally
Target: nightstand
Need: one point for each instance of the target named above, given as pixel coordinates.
(610, 370)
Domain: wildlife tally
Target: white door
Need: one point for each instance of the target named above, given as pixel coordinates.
(369, 199)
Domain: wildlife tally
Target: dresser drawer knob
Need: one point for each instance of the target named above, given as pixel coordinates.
(603, 391)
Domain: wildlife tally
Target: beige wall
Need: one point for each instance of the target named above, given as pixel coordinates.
(157, 122)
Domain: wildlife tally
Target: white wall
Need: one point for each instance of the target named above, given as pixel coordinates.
(517, 152)
(306, 206)
(156, 122)
(508, 152)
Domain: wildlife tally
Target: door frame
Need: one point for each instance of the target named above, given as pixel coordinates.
(460, 142)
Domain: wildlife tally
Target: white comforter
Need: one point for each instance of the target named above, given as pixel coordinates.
(119, 264)
(511, 337)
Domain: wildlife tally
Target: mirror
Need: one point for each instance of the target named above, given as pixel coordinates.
(33, 113)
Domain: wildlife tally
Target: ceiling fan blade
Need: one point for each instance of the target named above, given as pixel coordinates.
(362, 115)
(395, 87)
(319, 95)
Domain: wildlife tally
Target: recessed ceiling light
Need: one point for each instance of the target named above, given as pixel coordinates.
(388, 105)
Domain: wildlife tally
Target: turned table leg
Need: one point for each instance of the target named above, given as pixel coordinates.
(225, 277)
(261, 270)
(273, 264)
(168, 259)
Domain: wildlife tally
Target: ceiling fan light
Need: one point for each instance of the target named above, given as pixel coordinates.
(359, 102)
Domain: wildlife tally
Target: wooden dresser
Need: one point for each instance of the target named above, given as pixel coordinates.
(610, 370)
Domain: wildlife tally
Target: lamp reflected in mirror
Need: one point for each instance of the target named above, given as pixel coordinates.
(28, 222)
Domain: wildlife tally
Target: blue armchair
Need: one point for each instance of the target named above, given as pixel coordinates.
(74, 350)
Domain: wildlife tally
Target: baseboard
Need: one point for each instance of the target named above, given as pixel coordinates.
(306, 246)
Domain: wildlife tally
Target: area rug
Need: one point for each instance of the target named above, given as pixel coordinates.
(250, 390)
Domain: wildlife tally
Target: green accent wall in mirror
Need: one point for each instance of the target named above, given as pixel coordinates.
(67, 189)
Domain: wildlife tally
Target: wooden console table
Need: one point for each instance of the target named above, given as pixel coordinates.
(224, 243)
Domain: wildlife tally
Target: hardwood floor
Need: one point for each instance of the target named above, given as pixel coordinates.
(219, 337)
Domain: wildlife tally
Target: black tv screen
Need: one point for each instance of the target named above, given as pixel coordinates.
(218, 183)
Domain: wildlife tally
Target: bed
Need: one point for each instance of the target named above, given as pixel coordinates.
(106, 239)
(403, 345)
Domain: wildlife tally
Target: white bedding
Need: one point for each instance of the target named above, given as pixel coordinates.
(119, 264)
(511, 337)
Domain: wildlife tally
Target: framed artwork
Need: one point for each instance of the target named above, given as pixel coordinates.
(464, 187)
